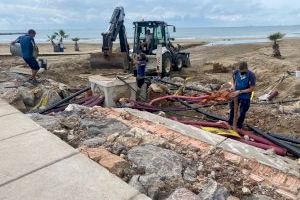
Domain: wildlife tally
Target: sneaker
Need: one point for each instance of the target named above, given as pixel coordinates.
(34, 82)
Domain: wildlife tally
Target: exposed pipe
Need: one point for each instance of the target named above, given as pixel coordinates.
(292, 149)
(64, 100)
(186, 87)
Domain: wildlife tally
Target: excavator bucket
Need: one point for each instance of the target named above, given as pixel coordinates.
(117, 60)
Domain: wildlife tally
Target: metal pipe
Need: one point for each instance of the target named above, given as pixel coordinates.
(285, 138)
(186, 87)
(64, 100)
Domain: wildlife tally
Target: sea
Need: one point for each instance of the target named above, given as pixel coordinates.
(211, 35)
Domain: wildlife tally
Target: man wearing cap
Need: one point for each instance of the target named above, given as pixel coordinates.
(244, 82)
(27, 46)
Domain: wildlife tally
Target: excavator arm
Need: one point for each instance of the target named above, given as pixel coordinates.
(116, 28)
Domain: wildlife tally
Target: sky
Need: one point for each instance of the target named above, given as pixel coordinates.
(89, 14)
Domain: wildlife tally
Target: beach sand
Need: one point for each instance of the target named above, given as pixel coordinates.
(74, 70)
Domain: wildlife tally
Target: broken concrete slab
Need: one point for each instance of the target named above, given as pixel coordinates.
(74, 178)
(278, 162)
(15, 124)
(187, 130)
(6, 109)
(28, 152)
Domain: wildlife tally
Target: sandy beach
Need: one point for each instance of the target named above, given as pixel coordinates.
(74, 70)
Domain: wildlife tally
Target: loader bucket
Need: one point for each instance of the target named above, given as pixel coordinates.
(111, 61)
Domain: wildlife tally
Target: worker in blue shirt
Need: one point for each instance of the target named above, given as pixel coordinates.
(27, 46)
(141, 69)
(244, 82)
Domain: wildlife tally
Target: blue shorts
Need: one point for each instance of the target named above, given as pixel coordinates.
(33, 64)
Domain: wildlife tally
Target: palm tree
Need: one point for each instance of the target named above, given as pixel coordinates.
(275, 37)
(76, 46)
(51, 39)
(62, 35)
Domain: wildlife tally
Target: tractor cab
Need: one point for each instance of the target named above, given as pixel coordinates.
(148, 34)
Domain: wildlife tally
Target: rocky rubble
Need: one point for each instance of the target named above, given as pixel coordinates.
(17, 91)
(153, 165)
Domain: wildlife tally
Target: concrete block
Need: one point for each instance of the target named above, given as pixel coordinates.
(6, 109)
(27, 152)
(113, 89)
(187, 130)
(15, 124)
(75, 178)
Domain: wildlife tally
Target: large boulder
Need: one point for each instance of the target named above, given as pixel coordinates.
(162, 162)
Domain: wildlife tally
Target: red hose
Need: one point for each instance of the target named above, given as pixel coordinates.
(177, 97)
(277, 150)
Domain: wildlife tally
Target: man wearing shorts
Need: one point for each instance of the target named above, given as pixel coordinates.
(27, 46)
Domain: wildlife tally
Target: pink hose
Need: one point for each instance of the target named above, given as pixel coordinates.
(178, 97)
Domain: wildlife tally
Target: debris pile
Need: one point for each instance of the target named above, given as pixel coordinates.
(154, 165)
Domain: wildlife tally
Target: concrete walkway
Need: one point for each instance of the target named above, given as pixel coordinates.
(35, 165)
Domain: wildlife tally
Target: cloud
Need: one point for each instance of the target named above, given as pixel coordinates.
(188, 13)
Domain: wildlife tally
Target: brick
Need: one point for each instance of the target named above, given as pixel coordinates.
(232, 157)
(95, 153)
(256, 178)
(115, 164)
(278, 179)
(286, 194)
(265, 170)
(293, 184)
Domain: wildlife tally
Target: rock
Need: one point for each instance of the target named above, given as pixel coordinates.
(156, 160)
(52, 97)
(257, 197)
(212, 191)
(232, 198)
(94, 142)
(221, 194)
(134, 182)
(13, 97)
(128, 142)
(246, 190)
(76, 109)
(183, 194)
(27, 96)
(111, 138)
(103, 127)
(50, 123)
(190, 173)
(178, 80)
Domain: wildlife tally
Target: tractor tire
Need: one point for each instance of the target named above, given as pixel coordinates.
(179, 63)
(188, 63)
(166, 64)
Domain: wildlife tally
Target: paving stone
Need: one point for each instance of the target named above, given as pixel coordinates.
(6, 109)
(15, 124)
(75, 178)
(28, 152)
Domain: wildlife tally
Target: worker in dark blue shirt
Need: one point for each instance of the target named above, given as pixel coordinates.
(27, 46)
(244, 82)
(141, 69)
